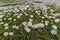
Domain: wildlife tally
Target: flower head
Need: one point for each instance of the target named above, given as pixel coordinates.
(57, 20)
(29, 23)
(1, 16)
(5, 34)
(6, 28)
(11, 33)
(24, 23)
(54, 32)
(9, 18)
(18, 16)
(6, 25)
(27, 29)
(41, 25)
(54, 27)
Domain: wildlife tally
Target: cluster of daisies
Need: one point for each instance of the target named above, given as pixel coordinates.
(15, 18)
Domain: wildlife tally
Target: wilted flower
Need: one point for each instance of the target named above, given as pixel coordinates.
(11, 33)
(5, 34)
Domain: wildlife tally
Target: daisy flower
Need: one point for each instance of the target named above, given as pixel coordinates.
(27, 29)
(53, 17)
(38, 13)
(1, 22)
(17, 28)
(15, 10)
(18, 16)
(54, 32)
(6, 28)
(42, 17)
(41, 25)
(54, 27)
(31, 16)
(14, 26)
(6, 24)
(57, 20)
(0, 19)
(1, 16)
(51, 10)
(46, 23)
(30, 20)
(5, 34)
(26, 14)
(50, 17)
(9, 18)
(14, 19)
(24, 23)
(29, 23)
(4, 18)
(11, 33)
